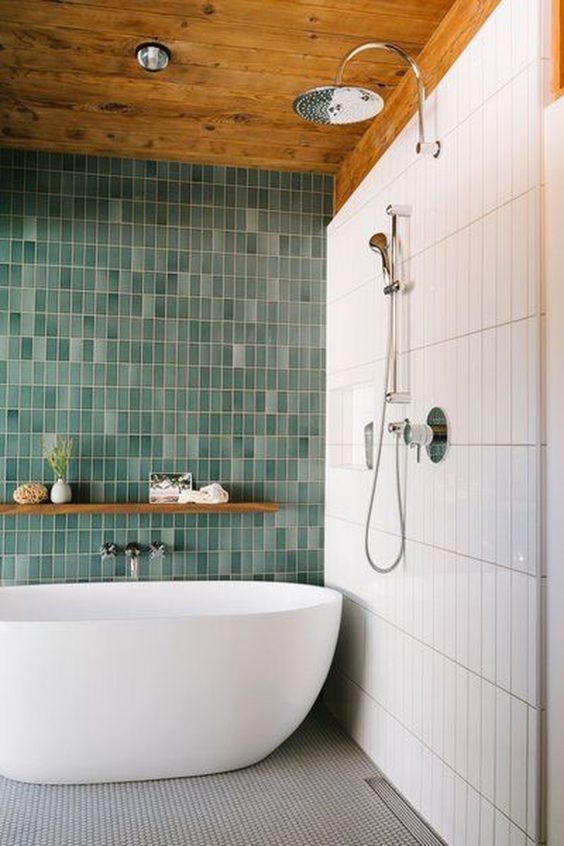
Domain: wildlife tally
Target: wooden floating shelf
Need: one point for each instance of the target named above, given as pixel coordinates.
(12, 509)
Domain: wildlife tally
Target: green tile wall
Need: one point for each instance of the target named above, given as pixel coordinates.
(167, 317)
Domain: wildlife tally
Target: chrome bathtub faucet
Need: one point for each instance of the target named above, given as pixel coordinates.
(132, 552)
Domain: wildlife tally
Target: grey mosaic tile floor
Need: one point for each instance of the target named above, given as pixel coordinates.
(310, 792)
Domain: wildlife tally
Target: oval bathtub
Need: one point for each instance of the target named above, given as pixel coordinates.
(129, 681)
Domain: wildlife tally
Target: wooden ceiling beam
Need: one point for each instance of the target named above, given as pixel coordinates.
(451, 37)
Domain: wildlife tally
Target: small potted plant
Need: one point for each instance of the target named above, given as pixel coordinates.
(58, 453)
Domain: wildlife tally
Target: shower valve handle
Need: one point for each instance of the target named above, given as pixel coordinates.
(417, 435)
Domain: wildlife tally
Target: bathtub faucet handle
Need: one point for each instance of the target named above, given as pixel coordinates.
(157, 549)
(109, 550)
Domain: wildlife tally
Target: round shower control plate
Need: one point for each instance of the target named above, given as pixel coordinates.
(437, 420)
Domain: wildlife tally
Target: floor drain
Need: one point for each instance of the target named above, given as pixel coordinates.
(405, 812)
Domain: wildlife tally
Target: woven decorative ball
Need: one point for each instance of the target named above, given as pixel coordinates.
(31, 493)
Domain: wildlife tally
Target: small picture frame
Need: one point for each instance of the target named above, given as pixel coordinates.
(167, 487)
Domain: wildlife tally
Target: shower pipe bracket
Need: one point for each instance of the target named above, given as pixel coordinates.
(398, 210)
(393, 287)
(394, 211)
(397, 427)
(423, 147)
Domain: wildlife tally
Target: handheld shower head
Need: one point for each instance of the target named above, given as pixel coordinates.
(379, 244)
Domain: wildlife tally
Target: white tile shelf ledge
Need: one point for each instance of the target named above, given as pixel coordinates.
(47, 508)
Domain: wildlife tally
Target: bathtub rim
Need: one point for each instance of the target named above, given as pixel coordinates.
(327, 596)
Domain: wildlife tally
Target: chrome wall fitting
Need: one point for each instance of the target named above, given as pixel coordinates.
(393, 209)
(397, 427)
(417, 435)
(157, 549)
(433, 434)
(432, 148)
(109, 550)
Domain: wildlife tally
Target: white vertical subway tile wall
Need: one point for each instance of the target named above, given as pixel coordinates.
(437, 671)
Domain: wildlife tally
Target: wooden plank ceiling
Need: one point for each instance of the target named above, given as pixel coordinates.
(69, 81)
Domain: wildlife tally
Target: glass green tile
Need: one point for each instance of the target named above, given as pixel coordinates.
(161, 312)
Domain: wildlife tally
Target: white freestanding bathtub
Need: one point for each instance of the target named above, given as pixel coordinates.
(128, 681)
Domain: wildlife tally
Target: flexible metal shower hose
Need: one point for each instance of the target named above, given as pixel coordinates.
(401, 505)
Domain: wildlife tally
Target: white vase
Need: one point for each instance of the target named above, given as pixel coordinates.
(60, 492)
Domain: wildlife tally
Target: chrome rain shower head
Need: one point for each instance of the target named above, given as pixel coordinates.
(341, 104)
(338, 104)
(379, 244)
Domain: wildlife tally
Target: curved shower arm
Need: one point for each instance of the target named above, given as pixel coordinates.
(423, 146)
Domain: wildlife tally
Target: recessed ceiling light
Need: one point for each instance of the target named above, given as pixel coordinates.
(152, 56)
